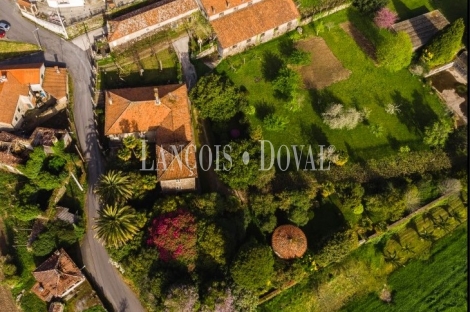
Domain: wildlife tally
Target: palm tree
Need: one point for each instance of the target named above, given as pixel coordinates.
(393, 258)
(116, 225)
(427, 235)
(114, 187)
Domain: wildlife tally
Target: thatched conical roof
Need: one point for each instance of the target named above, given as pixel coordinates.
(289, 242)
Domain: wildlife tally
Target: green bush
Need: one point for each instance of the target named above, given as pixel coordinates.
(394, 51)
(31, 303)
(443, 47)
(253, 266)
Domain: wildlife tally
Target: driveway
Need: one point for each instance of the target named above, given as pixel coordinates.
(94, 255)
(181, 47)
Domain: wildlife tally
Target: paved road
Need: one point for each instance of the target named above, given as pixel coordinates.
(94, 255)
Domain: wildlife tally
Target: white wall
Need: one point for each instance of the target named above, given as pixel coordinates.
(146, 30)
(65, 3)
(268, 35)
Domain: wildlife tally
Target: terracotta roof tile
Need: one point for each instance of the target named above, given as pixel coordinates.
(147, 16)
(24, 73)
(56, 276)
(55, 82)
(10, 92)
(253, 20)
(24, 3)
(214, 7)
(176, 161)
(135, 110)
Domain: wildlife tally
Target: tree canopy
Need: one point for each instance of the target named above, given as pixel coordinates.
(217, 98)
(253, 266)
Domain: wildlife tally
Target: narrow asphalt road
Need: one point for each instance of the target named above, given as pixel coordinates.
(94, 255)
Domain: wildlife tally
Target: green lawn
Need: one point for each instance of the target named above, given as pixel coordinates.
(10, 49)
(437, 284)
(368, 86)
(152, 74)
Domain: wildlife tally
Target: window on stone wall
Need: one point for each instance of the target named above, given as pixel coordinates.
(289, 24)
(262, 35)
(234, 46)
(221, 14)
(248, 41)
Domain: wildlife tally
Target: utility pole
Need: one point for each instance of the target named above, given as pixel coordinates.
(37, 37)
(62, 23)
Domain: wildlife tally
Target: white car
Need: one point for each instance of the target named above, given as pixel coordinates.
(4, 26)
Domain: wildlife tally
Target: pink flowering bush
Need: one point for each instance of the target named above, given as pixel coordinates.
(384, 18)
(174, 236)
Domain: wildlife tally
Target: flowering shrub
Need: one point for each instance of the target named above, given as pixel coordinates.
(174, 235)
(384, 18)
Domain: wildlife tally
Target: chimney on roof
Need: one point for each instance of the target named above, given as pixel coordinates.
(157, 98)
(213, 10)
(57, 69)
(110, 99)
(227, 4)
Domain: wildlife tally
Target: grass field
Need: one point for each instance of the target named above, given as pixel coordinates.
(437, 284)
(368, 86)
(9, 49)
(152, 74)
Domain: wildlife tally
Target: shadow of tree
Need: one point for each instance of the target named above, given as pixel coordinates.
(313, 134)
(286, 46)
(322, 99)
(415, 114)
(271, 64)
(263, 109)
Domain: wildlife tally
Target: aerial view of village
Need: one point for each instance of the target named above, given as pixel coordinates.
(233, 155)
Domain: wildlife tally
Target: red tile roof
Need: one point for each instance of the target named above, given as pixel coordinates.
(10, 92)
(214, 7)
(253, 20)
(55, 82)
(135, 110)
(147, 16)
(176, 161)
(56, 276)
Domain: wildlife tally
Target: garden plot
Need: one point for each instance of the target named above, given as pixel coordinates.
(325, 69)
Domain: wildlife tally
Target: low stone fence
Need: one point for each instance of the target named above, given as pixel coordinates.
(315, 17)
(439, 69)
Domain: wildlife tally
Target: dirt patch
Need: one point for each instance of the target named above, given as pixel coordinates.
(366, 46)
(325, 69)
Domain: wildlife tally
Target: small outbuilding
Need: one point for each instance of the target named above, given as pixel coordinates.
(289, 242)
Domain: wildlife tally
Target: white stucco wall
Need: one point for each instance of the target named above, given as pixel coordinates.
(268, 35)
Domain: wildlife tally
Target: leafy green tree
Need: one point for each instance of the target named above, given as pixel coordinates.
(298, 205)
(263, 207)
(253, 266)
(241, 176)
(56, 233)
(116, 225)
(275, 122)
(286, 82)
(217, 98)
(339, 246)
(141, 183)
(437, 134)
(212, 243)
(26, 212)
(388, 205)
(114, 187)
(445, 45)
(394, 51)
(369, 6)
